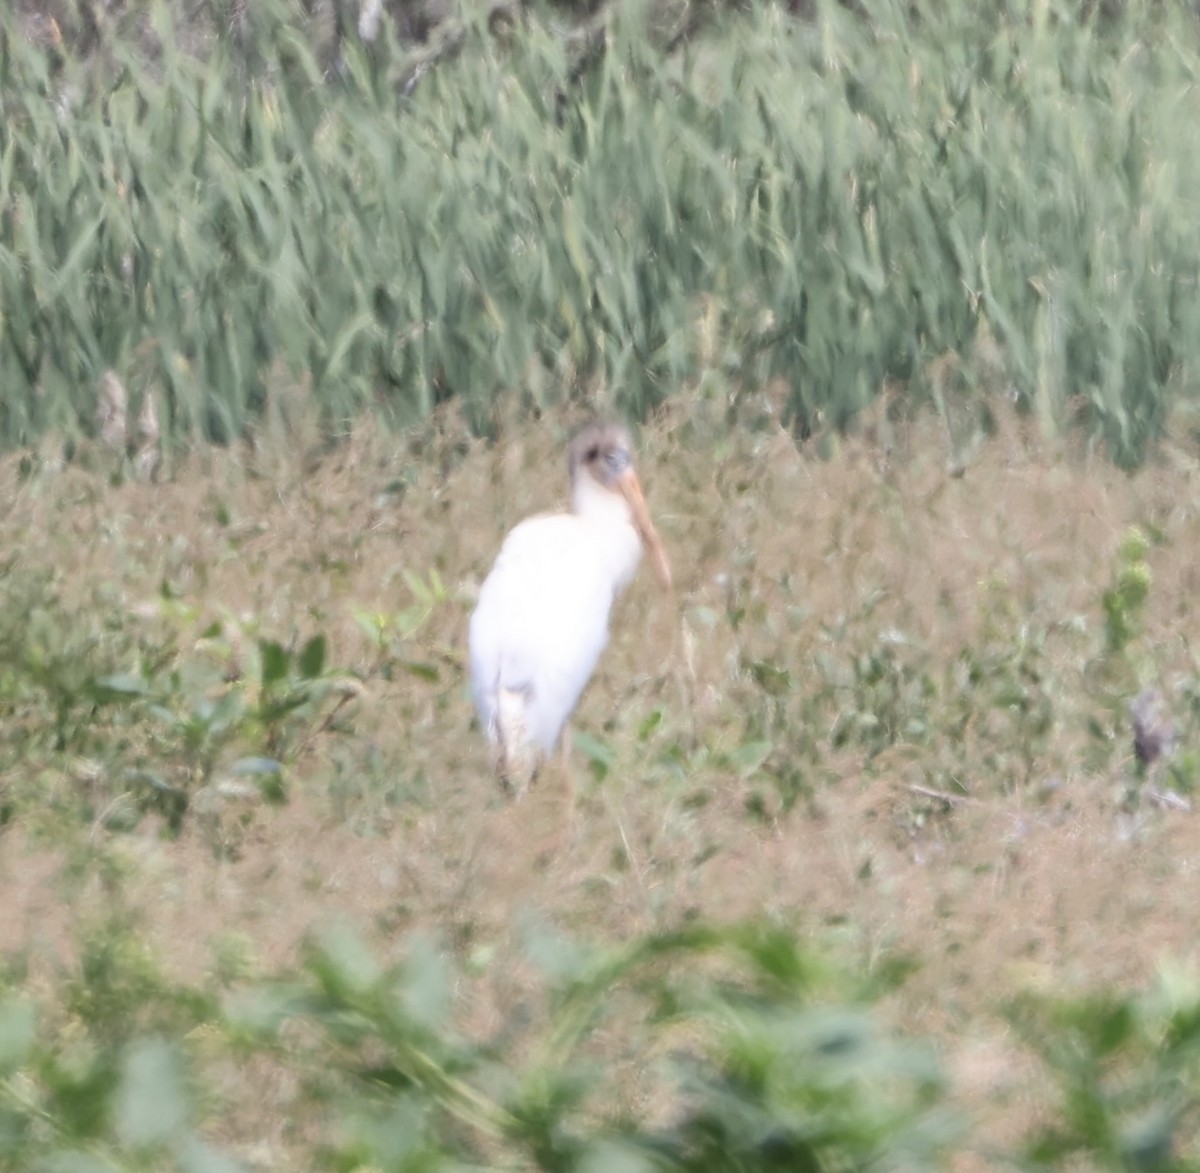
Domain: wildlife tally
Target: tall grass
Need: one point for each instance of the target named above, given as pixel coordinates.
(835, 202)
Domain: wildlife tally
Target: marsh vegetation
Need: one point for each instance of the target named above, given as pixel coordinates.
(855, 865)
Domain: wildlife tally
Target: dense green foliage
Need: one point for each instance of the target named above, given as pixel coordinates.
(778, 1065)
(837, 202)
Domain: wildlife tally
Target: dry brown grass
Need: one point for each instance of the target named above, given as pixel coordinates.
(397, 825)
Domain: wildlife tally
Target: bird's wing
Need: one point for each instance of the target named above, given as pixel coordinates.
(541, 624)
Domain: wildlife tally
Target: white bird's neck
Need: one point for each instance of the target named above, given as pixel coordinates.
(596, 503)
(617, 540)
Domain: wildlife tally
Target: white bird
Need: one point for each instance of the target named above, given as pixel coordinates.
(541, 622)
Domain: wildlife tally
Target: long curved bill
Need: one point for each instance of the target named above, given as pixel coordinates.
(631, 490)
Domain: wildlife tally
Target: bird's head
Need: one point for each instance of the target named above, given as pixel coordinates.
(602, 455)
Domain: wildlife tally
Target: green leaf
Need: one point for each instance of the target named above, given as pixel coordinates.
(18, 1028)
(421, 670)
(771, 678)
(151, 1103)
(601, 758)
(274, 711)
(779, 957)
(263, 1010)
(256, 767)
(371, 623)
(572, 238)
(342, 963)
(275, 662)
(272, 788)
(73, 1162)
(747, 759)
(551, 952)
(196, 1157)
(612, 1156)
(226, 712)
(363, 323)
(426, 988)
(14, 1133)
(121, 686)
(68, 273)
(312, 658)
(423, 593)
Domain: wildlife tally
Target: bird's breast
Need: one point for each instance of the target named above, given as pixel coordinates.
(567, 552)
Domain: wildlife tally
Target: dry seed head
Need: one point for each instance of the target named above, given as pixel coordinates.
(112, 405)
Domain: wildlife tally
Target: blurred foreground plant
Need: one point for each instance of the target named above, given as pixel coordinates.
(772, 1066)
(1127, 1070)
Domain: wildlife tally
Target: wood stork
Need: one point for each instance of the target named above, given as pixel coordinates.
(541, 622)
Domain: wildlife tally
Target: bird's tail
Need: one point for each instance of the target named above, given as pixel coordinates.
(518, 758)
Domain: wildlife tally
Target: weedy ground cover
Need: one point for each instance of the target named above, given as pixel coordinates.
(264, 903)
(856, 866)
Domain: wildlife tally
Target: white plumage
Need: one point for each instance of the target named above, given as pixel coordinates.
(541, 623)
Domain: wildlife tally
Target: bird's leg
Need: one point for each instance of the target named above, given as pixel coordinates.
(517, 762)
(517, 768)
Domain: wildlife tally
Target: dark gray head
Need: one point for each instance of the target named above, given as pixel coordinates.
(602, 451)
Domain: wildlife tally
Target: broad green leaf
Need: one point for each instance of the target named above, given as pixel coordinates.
(553, 953)
(311, 661)
(773, 679)
(748, 758)
(197, 1157)
(121, 686)
(256, 767)
(650, 724)
(69, 1161)
(421, 669)
(18, 1029)
(572, 237)
(151, 1104)
(600, 757)
(611, 1156)
(426, 984)
(264, 1009)
(14, 1133)
(275, 662)
(342, 962)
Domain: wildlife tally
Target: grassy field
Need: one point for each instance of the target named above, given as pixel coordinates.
(854, 865)
(883, 717)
